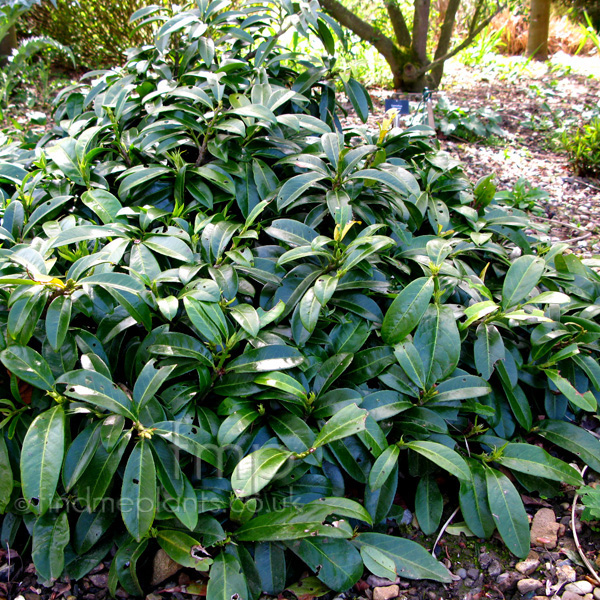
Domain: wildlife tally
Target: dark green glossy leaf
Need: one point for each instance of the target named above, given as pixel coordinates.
(508, 512)
(42, 457)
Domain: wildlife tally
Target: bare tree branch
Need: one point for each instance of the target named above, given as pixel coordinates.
(398, 23)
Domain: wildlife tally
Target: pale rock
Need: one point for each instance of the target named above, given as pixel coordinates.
(596, 593)
(163, 567)
(529, 564)
(588, 597)
(580, 587)
(565, 573)
(528, 585)
(544, 528)
(571, 596)
(386, 593)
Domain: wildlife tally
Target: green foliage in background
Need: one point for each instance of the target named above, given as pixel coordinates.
(471, 125)
(229, 326)
(98, 32)
(583, 148)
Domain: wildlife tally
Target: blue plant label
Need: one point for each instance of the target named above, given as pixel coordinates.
(400, 105)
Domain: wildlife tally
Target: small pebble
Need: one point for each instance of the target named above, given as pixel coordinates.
(506, 581)
(571, 596)
(485, 559)
(529, 564)
(580, 587)
(528, 585)
(588, 597)
(462, 573)
(494, 569)
(473, 573)
(596, 593)
(469, 582)
(386, 593)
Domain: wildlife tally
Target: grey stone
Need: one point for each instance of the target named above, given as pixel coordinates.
(469, 582)
(99, 580)
(485, 558)
(596, 593)
(375, 581)
(507, 581)
(462, 573)
(495, 568)
(580, 587)
(571, 596)
(528, 585)
(473, 573)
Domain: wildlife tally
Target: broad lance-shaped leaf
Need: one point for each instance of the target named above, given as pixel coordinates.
(383, 466)
(438, 342)
(378, 563)
(473, 500)
(523, 275)
(138, 494)
(346, 422)
(291, 524)
(585, 401)
(574, 439)
(257, 470)
(6, 475)
(508, 512)
(227, 580)
(442, 456)
(99, 391)
(41, 458)
(50, 538)
(406, 310)
(535, 461)
(411, 560)
(488, 349)
(428, 504)
(148, 382)
(28, 365)
(336, 562)
(188, 437)
(266, 358)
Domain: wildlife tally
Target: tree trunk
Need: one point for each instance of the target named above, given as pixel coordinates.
(539, 24)
(420, 30)
(444, 40)
(8, 44)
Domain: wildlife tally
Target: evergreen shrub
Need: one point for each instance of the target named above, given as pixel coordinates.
(230, 327)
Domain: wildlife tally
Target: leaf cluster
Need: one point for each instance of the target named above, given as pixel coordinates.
(229, 326)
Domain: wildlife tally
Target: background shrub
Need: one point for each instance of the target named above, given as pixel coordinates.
(97, 32)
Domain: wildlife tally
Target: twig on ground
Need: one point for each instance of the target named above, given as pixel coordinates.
(559, 223)
(584, 558)
(443, 530)
(585, 236)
